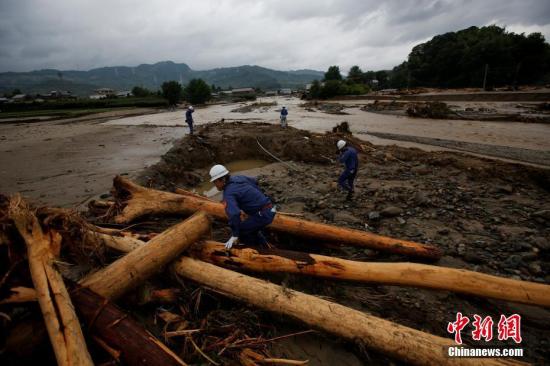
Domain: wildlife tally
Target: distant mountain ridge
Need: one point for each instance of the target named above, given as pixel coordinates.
(151, 76)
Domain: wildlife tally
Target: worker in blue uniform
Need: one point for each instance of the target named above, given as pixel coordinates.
(243, 193)
(348, 157)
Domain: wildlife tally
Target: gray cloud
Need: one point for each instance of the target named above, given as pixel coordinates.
(283, 34)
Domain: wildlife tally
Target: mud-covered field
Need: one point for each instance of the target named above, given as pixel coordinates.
(486, 216)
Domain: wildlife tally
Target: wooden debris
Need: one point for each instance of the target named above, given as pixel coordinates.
(132, 269)
(19, 295)
(398, 341)
(59, 315)
(140, 201)
(116, 332)
(402, 274)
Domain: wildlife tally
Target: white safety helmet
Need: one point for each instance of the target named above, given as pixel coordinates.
(340, 144)
(218, 171)
(191, 108)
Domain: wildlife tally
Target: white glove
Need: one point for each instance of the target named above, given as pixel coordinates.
(230, 242)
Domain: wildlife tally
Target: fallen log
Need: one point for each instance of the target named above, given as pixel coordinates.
(59, 316)
(134, 268)
(124, 338)
(140, 201)
(397, 341)
(189, 193)
(120, 243)
(401, 274)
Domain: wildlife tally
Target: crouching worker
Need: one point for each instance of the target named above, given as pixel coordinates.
(348, 157)
(243, 193)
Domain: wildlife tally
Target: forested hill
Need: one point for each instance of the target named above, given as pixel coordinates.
(151, 77)
(459, 59)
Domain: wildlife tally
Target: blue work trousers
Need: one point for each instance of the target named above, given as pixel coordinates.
(346, 179)
(250, 230)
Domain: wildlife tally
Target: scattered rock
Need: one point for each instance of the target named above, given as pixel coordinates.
(374, 215)
(508, 189)
(346, 218)
(512, 261)
(535, 269)
(443, 231)
(542, 243)
(391, 211)
(543, 214)
(421, 199)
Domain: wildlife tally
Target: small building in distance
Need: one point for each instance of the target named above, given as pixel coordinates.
(58, 94)
(102, 93)
(285, 91)
(19, 98)
(243, 91)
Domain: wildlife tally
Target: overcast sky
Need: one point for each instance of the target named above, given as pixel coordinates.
(279, 34)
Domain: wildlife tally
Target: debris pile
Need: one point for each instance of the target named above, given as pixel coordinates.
(429, 110)
(185, 163)
(262, 106)
(330, 108)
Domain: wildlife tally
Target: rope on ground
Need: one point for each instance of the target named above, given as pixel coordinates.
(283, 162)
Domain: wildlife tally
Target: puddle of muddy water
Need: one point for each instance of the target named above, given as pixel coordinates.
(235, 167)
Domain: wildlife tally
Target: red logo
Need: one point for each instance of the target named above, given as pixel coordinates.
(508, 327)
(457, 326)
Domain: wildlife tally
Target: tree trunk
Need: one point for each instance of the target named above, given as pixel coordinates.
(124, 338)
(398, 341)
(121, 243)
(401, 274)
(144, 201)
(58, 312)
(134, 268)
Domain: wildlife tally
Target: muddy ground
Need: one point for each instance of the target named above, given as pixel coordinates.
(66, 162)
(487, 216)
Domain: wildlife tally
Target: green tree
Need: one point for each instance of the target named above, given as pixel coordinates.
(369, 76)
(172, 91)
(315, 89)
(355, 75)
(382, 77)
(333, 73)
(399, 76)
(197, 91)
(332, 88)
(459, 59)
(138, 91)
